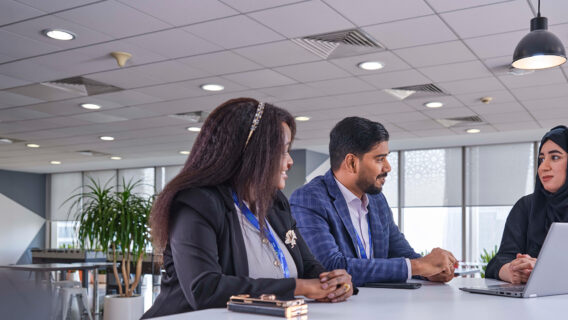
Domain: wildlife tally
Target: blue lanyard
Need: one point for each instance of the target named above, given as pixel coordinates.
(360, 243)
(254, 221)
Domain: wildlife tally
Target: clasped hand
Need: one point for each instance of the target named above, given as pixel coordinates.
(332, 286)
(518, 270)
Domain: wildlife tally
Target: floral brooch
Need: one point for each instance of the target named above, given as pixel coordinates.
(291, 238)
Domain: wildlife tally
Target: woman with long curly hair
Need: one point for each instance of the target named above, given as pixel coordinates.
(223, 224)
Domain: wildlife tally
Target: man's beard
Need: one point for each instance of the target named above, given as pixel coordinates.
(371, 188)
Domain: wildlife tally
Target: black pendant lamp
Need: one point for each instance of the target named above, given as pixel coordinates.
(540, 49)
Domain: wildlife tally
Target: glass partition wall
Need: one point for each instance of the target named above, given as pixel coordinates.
(454, 198)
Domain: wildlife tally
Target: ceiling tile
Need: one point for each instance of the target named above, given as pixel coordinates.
(73, 63)
(474, 99)
(412, 32)
(433, 133)
(44, 92)
(551, 123)
(388, 108)
(172, 91)
(234, 32)
(313, 17)
(462, 129)
(518, 116)
(277, 54)
(29, 71)
(313, 71)
(539, 77)
(555, 103)
(451, 5)
(172, 70)
(174, 43)
(442, 113)
(553, 10)
(412, 126)
(102, 52)
(436, 54)
(128, 78)
(126, 97)
(182, 12)
(376, 97)
(31, 29)
(12, 99)
(488, 109)
(486, 20)
(502, 44)
(131, 113)
(312, 104)
(12, 11)
(98, 117)
(114, 19)
(471, 86)
(10, 82)
(456, 71)
(219, 63)
(21, 114)
(254, 5)
(541, 92)
(259, 79)
(551, 114)
(22, 47)
(56, 5)
(396, 79)
(339, 86)
(526, 125)
(293, 91)
(390, 63)
(367, 12)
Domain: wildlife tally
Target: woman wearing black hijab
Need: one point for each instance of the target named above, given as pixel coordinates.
(531, 217)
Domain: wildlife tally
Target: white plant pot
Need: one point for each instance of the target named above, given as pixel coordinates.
(123, 308)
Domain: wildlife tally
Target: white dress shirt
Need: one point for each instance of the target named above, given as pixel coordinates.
(358, 210)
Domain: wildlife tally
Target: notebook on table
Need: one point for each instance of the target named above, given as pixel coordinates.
(549, 274)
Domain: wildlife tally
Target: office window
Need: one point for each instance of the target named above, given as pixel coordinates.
(101, 177)
(144, 175)
(432, 181)
(496, 177)
(164, 175)
(390, 189)
(62, 187)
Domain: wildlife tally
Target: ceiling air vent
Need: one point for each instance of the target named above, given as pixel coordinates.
(460, 121)
(193, 117)
(81, 86)
(416, 91)
(339, 44)
(92, 153)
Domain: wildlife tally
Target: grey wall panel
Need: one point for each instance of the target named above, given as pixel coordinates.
(27, 189)
(37, 242)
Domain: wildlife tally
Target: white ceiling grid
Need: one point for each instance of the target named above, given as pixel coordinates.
(462, 47)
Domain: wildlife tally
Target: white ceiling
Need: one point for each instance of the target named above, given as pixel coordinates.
(246, 45)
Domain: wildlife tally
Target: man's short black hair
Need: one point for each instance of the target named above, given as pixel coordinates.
(354, 135)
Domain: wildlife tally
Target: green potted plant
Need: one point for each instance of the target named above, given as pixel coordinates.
(485, 258)
(116, 221)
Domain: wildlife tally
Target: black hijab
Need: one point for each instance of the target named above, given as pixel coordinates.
(548, 207)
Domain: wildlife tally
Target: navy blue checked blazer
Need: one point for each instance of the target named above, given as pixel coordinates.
(323, 219)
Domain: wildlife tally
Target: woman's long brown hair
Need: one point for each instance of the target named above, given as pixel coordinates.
(219, 156)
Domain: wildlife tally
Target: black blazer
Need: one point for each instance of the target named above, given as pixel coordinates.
(205, 259)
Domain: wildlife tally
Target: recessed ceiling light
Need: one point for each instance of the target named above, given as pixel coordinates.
(115, 158)
(302, 118)
(106, 138)
(371, 65)
(59, 34)
(433, 104)
(5, 141)
(473, 131)
(184, 152)
(90, 106)
(55, 162)
(212, 87)
(194, 129)
(32, 145)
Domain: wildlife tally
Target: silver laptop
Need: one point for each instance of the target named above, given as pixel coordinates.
(548, 276)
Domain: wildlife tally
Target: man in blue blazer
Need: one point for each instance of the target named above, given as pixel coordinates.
(346, 221)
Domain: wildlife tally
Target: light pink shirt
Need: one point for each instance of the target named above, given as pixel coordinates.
(358, 210)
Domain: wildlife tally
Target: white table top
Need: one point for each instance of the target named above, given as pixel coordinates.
(432, 301)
